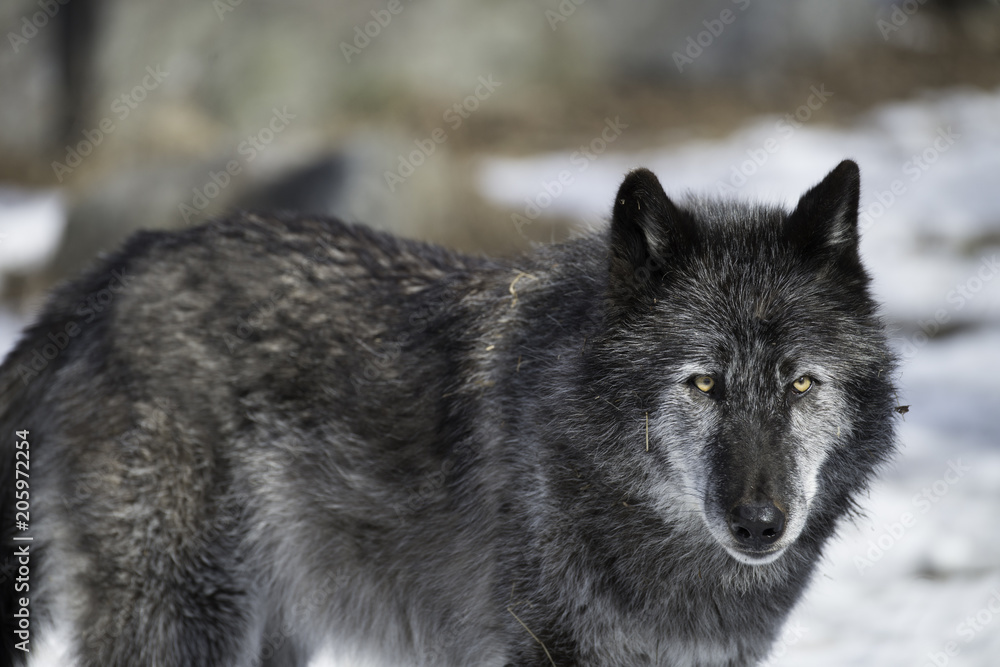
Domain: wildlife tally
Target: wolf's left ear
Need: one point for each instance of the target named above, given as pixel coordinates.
(826, 217)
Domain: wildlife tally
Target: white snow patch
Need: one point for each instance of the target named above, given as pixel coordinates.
(31, 225)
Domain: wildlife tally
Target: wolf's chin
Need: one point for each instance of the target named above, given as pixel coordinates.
(755, 558)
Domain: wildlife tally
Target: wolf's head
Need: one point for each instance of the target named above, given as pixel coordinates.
(765, 364)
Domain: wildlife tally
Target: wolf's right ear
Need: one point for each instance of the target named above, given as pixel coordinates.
(645, 229)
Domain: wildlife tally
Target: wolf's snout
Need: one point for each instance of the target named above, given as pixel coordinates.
(756, 525)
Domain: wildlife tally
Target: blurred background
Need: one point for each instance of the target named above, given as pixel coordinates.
(493, 127)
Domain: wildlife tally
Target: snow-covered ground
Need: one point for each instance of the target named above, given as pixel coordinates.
(917, 582)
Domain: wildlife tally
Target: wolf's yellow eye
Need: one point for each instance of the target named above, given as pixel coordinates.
(802, 384)
(704, 383)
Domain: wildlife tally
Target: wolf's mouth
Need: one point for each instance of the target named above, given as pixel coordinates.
(754, 556)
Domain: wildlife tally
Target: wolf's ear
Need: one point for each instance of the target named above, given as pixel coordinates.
(645, 229)
(826, 217)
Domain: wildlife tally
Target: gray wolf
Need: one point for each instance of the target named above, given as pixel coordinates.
(266, 433)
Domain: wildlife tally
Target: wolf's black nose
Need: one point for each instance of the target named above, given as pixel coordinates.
(757, 524)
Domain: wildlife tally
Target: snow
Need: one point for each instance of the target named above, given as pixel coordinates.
(917, 581)
(31, 225)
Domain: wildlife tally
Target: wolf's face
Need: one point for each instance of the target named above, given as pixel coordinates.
(767, 355)
(749, 415)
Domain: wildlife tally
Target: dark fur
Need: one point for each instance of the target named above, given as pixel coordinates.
(288, 429)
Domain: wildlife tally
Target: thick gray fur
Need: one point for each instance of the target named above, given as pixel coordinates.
(273, 432)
